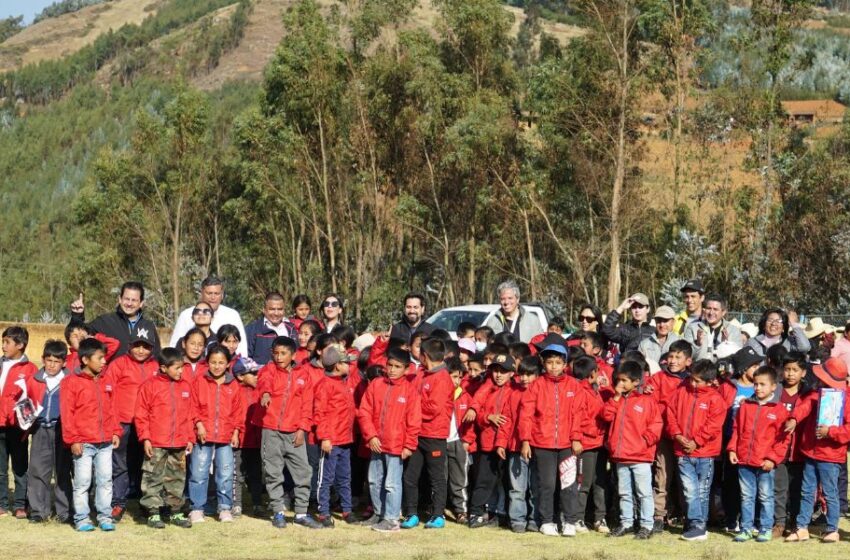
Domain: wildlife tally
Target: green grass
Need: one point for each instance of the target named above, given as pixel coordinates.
(254, 538)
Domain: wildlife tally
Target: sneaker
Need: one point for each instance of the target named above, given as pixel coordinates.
(799, 535)
(371, 521)
(778, 531)
(462, 518)
(326, 521)
(549, 529)
(619, 531)
(532, 527)
(581, 527)
(657, 526)
(279, 521)
(831, 537)
(37, 519)
(518, 528)
(236, 511)
(196, 516)
(181, 520)
(569, 530)
(644, 533)
(350, 518)
(118, 513)
(386, 526)
(743, 536)
(410, 522)
(307, 521)
(601, 527)
(225, 516)
(695, 534)
(155, 522)
(20, 513)
(732, 529)
(85, 527)
(107, 525)
(478, 521)
(436, 522)
(764, 536)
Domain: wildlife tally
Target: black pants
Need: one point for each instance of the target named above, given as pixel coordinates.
(731, 494)
(549, 479)
(431, 453)
(49, 458)
(359, 477)
(126, 466)
(842, 487)
(13, 447)
(489, 477)
(788, 484)
(594, 481)
(248, 470)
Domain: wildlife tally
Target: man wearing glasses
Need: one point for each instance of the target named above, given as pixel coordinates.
(659, 343)
(212, 293)
(629, 334)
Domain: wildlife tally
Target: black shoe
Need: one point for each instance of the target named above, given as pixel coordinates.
(37, 519)
(657, 527)
(478, 521)
(643, 534)
(326, 520)
(373, 520)
(308, 521)
(619, 531)
(350, 518)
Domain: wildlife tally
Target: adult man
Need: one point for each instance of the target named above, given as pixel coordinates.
(414, 318)
(659, 342)
(513, 317)
(629, 334)
(712, 329)
(693, 295)
(261, 333)
(212, 293)
(121, 323)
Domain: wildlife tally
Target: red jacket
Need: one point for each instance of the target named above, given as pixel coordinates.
(831, 449)
(605, 370)
(696, 414)
(593, 427)
(471, 386)
(391, 411)
(727, 390)
(663, 385)
(465, 430)
(218, 407)
(551, 413)
(334, 411)
(85, 405)
(436, 396)
(251, 436)
(509, 431)
(497, 402)
(164, 412)
(190, 373)
(126, 375)
(72, 360)
(21, 371)
(758, 432)
(316, 373)
(634, 428)
(291, 405)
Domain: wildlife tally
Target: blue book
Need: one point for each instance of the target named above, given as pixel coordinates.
(831, 407)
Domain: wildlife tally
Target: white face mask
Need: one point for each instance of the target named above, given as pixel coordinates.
(480, 346)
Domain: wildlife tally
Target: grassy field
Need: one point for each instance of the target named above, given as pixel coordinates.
(254, 538)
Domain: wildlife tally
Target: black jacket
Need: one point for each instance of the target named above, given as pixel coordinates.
(403, 331)
(628, 335)
(260, 339)
(116, 325)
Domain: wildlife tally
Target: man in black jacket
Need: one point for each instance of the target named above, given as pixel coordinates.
(414, 318)
(122, 322)
(630, 333)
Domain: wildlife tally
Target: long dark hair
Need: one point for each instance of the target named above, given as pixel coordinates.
(781, 313)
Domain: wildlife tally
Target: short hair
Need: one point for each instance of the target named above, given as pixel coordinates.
(767, 370)
(18, 334)
(558, 321)
(314, 326)
(454, 364)
(595, 339)
(299, 299)
(464, 327)
(344, 334)
(576, 352)
(273, 296)
(55, 349)
(452, 348)
(363, 358)
(530, 365)
(211, 281)
(88, 347)
(373, 372)
(508, 285)
(488, 332)
(135, 286)
(505, 339)
(775, 355)
(170, 356)
(636, 357)
(218, 349)
(705, 370)
(399, 355)
(714, 296)
(226, 331)
(584, 367)
(76, 324)
(798, 358)
(434, 349)
(192, 332)
(442, 334)
(519, 350)
(682, 346)
(414, 295)
(285, 342)
(632, 370)
(415, 335)
(477, 358)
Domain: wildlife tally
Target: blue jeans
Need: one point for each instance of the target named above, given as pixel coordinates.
(335, 471)
(385, 481)
(635, 478)
(754, 481)
(199, 475)
(696, 475)
(99, 456)
(827, 475)
(523, 492)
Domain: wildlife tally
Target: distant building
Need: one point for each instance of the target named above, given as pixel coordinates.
(815, 112)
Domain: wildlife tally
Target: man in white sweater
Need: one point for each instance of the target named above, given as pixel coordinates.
(212, 293)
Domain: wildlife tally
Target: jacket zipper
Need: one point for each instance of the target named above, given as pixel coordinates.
(217, 405)
(498, 410)
(387, 396)
(753, 435)
(285, 400)
(99, 410)
(173, 414)
(622, 421)
(690, 417)
(557, 414)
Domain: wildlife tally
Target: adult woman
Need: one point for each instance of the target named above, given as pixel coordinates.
(202, 317)
(332, 312)
(775, 328)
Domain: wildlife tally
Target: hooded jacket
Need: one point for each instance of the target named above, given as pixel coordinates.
(20, 371)
(508, 436)
(593, 427)
(335, 411)
(291, 405)
(551, 412)
(497, 402)
(164, 412)
(390, 411)
(436, 396)
(831, 449)
(86, 410)
(49, 400)
(218, 406)
(126, 375)
(758, 432)
(634, 428)
(696, 414)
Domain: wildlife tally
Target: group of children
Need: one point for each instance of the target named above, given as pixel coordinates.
(544, 437)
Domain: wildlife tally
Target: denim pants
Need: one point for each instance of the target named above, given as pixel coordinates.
(385, 481)
(696, 474)
(523, 493)
(756, 482)
(635, 478)
(99, 457)
(335, 472)
(827, 475)
(199, 475)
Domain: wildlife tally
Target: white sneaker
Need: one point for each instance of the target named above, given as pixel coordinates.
(569, 530)
(549, 529)
(196, 516)
(581, 527)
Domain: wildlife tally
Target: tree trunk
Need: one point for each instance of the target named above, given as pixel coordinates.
(326, 193)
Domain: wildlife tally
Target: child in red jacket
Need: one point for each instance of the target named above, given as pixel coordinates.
(334, 415)
(550, 430)
(92, 430)
(247, 464)
(694, 421)
(126, 374)
(759, 442)
(217, 417)
(390, 418)
(634, 421)
(460, 445)
(164, 425)
(75, 332)
(789, 473)
(194, 345)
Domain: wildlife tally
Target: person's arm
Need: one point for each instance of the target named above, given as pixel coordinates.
(413, 420)
(712, 428)
(181, 327)
(671, 423)
(141, 417)
(799, 341)
(610, 329)
(783, 439)
(365, 412)
(251, 341)
(66, 411)
(656, 424)
(306, 416)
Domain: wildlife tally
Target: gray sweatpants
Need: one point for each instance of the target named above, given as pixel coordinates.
(458, 471)
(279, 452)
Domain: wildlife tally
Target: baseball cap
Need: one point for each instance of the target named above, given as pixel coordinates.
(694, 285)
(555, 349)
(665, 312)
(332, 355)
(141, 334)
(745, 358)
(549, 340)
(504, 361)
(640, 298)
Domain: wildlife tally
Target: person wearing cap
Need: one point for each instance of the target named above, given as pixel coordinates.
(712, 329)
(629, 334)
(693, 295)
(513, 317)
(126, 374)
(413, 319)
(823, 440)
(657, 344)
(775, 328)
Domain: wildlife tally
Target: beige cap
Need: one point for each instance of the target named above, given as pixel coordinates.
(665, 312)
(641, 299)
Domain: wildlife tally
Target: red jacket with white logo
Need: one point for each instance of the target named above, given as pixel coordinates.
(758, 432)
(126, 375)
(831, 449)
(164, 412)
(551, 413)
(593, 427)
(634, 428)
(218, 407)
(251, 436)
(21, 371)
(391, 411)
(497, 402)
(85, 406)
(698, 415)
(508, 436)
(291, 405)
(436, 396)
(335, 411)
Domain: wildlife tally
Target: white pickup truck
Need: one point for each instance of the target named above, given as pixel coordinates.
(449, 318)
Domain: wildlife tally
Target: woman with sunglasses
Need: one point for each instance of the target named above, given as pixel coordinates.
(202, 317)
(332, 312)
(775, 328)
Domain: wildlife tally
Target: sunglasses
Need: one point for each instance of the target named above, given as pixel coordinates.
(587, 318)
(202, 311)
(330, 304)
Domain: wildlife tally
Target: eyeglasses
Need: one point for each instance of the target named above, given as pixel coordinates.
(774, 321)
(330, 304)
(587, 319)
(202, 311)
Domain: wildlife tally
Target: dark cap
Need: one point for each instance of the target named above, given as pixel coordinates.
(504, 361)
(142, 334)
(745, 358)
(694, 285)
(551, 339)
(332, 355)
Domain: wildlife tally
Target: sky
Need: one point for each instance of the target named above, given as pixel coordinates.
(26, 8)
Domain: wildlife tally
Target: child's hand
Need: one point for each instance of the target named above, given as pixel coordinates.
(496, 419)
(148, 449)
(201, 431)
(767, 465)
(469, 416)
(689, 446)
(733, 457)
(326, 446)
(116, 441)
(577, 448)
(77, 449)
(406, 453)
(526, 451)
(466, 447)
(265, 400)
(602, 381)
(77, 306)
(700, 336)
(189, 447)
(500, 451)
(299, 438)
(822, 432)
(234, 441)
(648, 389)
(375, 445)
(790, 425)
